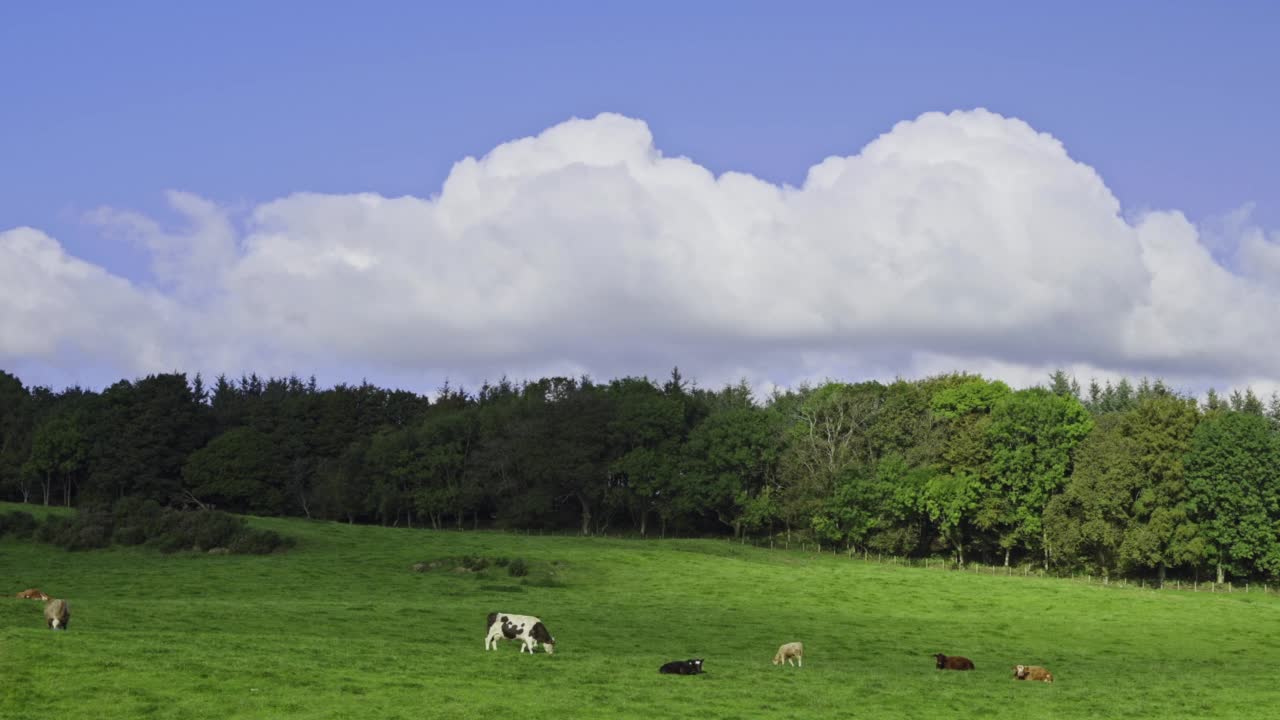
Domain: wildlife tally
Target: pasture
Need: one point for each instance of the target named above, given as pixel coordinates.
(341, 627)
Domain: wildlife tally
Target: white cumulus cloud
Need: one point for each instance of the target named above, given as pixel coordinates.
(954, 241)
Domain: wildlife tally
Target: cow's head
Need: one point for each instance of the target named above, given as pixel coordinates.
(550, 646)
(942, 660)
(697, 664)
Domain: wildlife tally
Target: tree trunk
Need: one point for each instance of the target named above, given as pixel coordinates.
(644, 517)
(187, 494)
(1006, 557)
(662, 519)
(586, 515)
(1221, 574)
(66, 492)
(45, 486)
(409, 514)
(475, 519)
(302, 500)
(1160, 573)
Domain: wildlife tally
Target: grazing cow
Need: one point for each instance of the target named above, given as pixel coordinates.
(955, 662)
(1032, 672)
(525, 628)
(57, 614)
(33, 594)
(789, 651)
(682, 667)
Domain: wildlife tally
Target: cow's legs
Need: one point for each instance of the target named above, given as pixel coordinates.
(800, 660)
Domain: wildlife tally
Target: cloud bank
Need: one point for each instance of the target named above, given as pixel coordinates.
(954, 241)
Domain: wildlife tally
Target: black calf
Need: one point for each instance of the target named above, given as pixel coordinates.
(682, 667)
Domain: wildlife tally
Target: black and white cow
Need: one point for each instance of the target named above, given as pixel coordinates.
(525, 628)
(682, 667)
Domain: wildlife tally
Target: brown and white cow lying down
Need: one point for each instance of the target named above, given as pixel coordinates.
(33, 594)
(789, 651)
(1032, 672)
(954, 662)
(525, 628)
(57, 614)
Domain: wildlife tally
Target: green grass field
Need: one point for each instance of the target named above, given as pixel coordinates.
(340, 627)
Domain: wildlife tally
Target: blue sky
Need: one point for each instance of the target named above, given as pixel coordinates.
(112, 104)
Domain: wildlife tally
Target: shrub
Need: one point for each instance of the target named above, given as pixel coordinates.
(518, 568)
(474, 563)
(544, 581)
(54, 530)
(132, 521)
(168, 543)
(501, 562)
(259, 542)
(214, 529)
(18, 524)
(147, 515)
(128, 535)
(88, 536)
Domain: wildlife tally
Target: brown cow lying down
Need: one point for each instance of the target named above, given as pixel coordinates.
(33, 594)
(1032, 672)
(57, 614)
(955, 662)
(788, 651)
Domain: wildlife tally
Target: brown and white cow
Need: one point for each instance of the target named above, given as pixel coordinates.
(1032, 672)
(528, 629)
(33, 594)
(57, 614)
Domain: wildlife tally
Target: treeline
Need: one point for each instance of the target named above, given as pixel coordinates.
(1117, 479)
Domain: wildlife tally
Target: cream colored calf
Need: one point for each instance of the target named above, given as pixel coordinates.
(789, 651)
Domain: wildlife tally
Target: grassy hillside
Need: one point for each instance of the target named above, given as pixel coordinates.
(340, 627)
